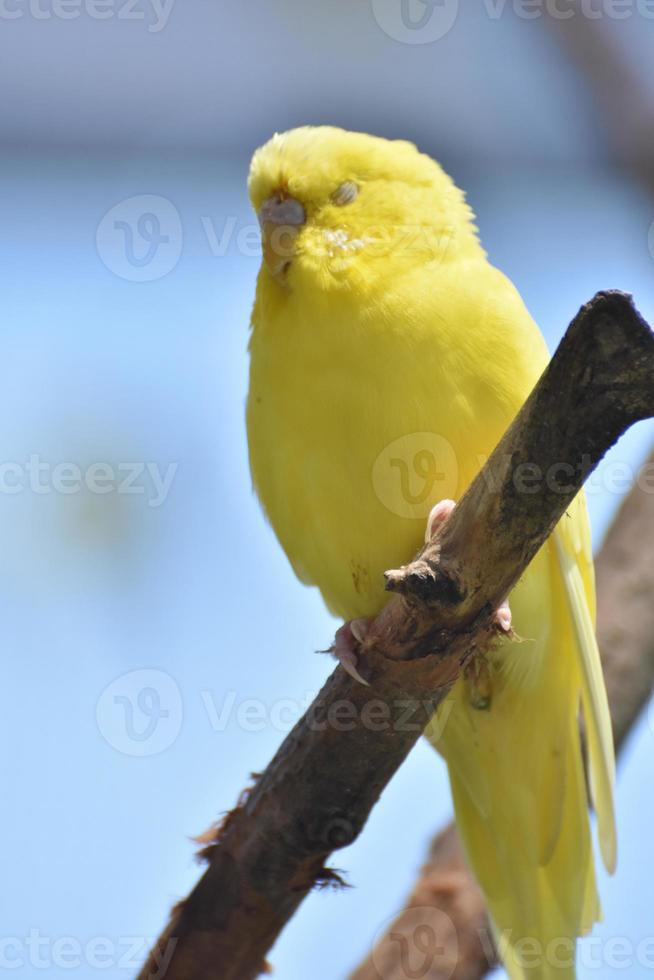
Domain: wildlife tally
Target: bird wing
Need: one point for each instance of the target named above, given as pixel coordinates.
(573, 547)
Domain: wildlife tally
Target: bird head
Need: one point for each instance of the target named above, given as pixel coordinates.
(345, 208)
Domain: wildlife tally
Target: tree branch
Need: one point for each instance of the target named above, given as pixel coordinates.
(319, 789)
(625, 608)
(625, 630)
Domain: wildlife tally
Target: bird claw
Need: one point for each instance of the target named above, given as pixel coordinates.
(347, 641)
(437, 517)
(503, 617)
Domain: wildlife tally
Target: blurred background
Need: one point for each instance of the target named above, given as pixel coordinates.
(144, 675)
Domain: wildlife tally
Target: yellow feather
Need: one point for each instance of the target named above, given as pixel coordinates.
(593, 694)
(387, 359)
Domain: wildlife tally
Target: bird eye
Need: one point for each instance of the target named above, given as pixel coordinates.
(345, 193)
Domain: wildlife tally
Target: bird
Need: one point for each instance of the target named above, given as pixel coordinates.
(387, 358)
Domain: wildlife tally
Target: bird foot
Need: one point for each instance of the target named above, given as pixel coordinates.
(503, 617)
(437, 517)
(347, 644)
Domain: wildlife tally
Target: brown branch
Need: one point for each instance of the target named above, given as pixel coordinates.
(625, 605)
(625, 631)
(319, 789)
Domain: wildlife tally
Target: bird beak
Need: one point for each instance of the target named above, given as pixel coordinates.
(281, 219)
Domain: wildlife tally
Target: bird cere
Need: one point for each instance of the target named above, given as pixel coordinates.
(363, 338)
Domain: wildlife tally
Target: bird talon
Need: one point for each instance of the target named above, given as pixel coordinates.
(503, 616)
(347, 641)
(359, 628)
(437, 517)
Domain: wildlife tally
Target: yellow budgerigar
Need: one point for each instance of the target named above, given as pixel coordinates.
(388, 356)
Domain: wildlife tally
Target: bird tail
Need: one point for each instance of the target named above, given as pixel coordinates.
(517, 773)
(595, 705)
(536, 911)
